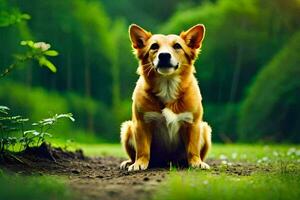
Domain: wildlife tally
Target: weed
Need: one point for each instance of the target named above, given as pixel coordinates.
(13, 133)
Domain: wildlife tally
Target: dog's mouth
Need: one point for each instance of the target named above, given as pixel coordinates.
(166, 68)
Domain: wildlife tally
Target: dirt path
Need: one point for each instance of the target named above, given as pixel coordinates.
(100, 177)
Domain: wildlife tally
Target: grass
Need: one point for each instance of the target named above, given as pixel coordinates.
(276, 175)
(15, 187)
(204, 185)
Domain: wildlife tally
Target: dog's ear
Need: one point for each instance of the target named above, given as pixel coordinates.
(138, 36)
(194, 36)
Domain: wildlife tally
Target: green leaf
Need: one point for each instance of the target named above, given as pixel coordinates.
(51, 53)
(33, 132)
(68, 115)
(4, 109)
(27, 43)
(25, 16)
(43, 61)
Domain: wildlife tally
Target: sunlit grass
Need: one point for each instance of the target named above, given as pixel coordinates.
(276, 175)
(254, 152)
(14, 187)
(204, 185)
(101, 149)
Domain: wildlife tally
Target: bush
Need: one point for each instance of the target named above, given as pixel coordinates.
(271, 109)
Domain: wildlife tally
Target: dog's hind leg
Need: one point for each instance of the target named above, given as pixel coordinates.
(127, 143)
(205, 131)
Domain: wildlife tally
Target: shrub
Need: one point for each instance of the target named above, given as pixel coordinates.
(271, 108)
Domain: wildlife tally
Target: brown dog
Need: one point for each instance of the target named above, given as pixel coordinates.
(167, 112)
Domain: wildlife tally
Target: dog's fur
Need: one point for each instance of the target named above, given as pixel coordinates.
(167, 112)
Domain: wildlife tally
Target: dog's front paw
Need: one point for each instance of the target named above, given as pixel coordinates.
(140, 164)
(125, 164)
(197, 163)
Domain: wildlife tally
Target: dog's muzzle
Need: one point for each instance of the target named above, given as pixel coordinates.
(164, 61)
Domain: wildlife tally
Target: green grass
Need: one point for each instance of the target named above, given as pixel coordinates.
(92, 149)
(204, 185)
(101, 149)
(281, 181)
(15, 187)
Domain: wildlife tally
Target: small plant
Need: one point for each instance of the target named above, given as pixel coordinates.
(38, 51)
(13, 133)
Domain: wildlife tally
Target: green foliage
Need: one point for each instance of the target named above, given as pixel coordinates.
(241, 37)
(271, 109)
(93, 118)
(37, 51)
(97, 73)
(223, 119)
(10, 16)
(12, 130)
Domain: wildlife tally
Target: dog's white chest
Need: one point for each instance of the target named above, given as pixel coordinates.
(167, 125)
(167, 88)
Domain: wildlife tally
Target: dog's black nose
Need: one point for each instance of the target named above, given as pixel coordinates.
(164, 56)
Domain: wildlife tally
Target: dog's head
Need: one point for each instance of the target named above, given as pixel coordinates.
(166, 54)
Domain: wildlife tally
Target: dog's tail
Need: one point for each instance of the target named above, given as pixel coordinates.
(205, 131)
(127, 140)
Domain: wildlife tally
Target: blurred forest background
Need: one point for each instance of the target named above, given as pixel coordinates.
(248, 70)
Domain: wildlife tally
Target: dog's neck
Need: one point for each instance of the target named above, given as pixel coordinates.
(167, 89)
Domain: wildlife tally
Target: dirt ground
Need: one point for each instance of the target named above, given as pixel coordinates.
(99, 177)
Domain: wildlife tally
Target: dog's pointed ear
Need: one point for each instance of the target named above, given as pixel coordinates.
(138, 36)
(194, 36)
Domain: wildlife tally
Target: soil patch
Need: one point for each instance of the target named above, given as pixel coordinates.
(99, 177)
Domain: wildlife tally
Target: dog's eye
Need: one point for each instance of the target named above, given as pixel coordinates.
(177, 46)
(154, 46)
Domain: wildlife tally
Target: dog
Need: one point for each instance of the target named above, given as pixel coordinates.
(167, 115)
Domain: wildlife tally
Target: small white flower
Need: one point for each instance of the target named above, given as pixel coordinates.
(223, 157)
(259, 161)
(298, 153)
(265, 159)
(42, 45)
(229, 164)
(205, 182)
(224, 162)
(234, 155)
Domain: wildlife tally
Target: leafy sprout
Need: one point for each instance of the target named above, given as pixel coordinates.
(33, 137)
(38, 51)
